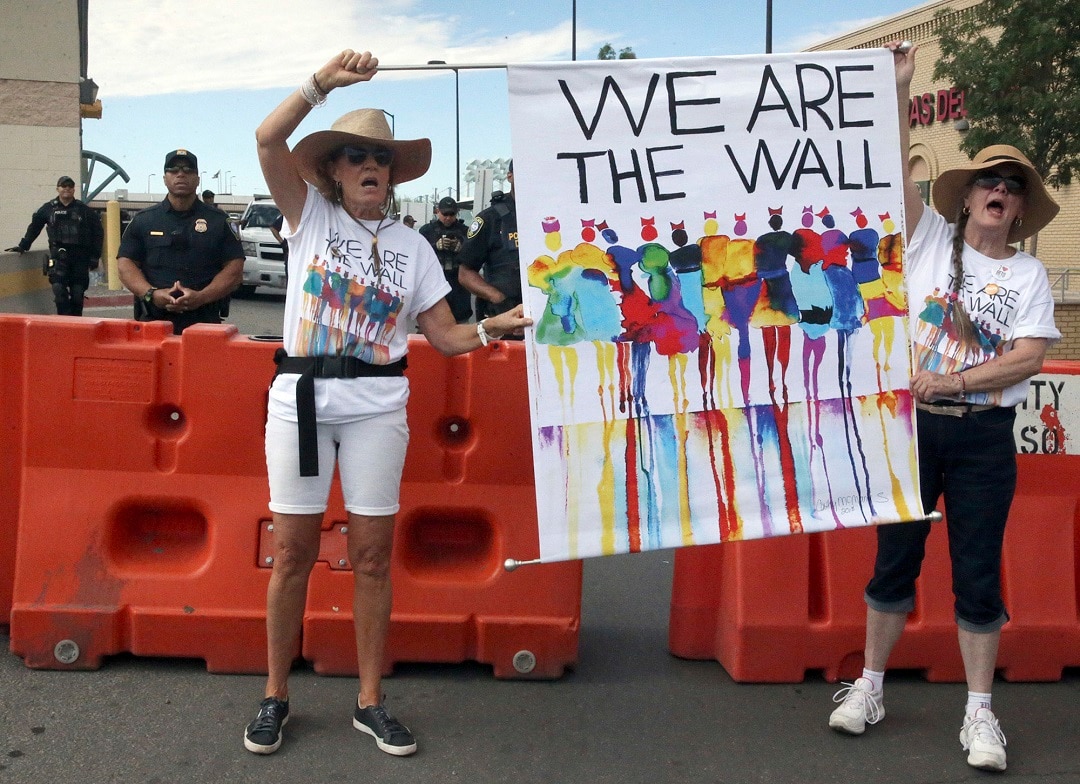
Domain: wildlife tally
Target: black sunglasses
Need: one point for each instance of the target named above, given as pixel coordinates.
(1014, 184)
(357, 155)
(178, 169)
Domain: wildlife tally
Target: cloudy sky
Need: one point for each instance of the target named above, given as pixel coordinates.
(202, 74)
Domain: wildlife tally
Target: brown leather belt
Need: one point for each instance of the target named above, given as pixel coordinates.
(954, 409)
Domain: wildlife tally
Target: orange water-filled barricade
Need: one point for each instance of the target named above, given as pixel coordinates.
(137, 507)
(769, 610)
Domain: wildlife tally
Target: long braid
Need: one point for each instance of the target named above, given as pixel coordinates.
(965, 329)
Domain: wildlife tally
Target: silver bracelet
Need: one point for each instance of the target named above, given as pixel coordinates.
(482, 333)
(311, 92)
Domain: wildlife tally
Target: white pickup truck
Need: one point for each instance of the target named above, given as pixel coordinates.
(264, 261)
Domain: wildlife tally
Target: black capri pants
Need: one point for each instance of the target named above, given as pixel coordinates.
(971, 461)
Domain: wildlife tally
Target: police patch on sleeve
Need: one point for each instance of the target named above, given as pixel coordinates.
(474, 228)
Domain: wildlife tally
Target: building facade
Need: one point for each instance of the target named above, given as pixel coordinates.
(938, 121)
(40, 46)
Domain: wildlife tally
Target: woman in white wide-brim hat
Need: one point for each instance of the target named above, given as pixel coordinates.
(358, 283)
(982, 317)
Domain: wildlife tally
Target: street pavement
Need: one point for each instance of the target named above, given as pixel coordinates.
(628, 713)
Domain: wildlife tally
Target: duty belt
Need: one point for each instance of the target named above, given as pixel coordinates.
(311, 368)
(954, 409)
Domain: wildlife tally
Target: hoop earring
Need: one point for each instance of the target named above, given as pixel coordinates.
(966, 211)
(338, 192)
(1018, 222)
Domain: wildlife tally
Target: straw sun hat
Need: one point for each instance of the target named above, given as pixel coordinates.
(358, 128)
(952, 185)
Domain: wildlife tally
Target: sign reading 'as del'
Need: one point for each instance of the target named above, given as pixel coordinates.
(947, 104)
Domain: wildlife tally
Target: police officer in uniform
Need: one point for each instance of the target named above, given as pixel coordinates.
(492, 246)
(180, 258)
(446, 233)
(75, 237)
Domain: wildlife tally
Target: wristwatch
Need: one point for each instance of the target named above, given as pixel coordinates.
(148, 297)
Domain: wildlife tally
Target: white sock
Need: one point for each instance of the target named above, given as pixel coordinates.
(876, 678)
(977, 700)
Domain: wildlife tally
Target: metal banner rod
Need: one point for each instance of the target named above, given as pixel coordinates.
(444, 67)
(510, 564)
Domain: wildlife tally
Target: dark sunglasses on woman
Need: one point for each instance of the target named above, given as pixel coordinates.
(1014, 184)
(357, 155)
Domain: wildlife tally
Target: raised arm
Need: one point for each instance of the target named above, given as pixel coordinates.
(904, 61)
(276, 159)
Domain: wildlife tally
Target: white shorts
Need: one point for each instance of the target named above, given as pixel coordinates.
(370, 455)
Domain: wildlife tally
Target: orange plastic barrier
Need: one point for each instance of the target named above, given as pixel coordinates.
(12, 392)
(142, 459)
(769, 610)
(138, 511)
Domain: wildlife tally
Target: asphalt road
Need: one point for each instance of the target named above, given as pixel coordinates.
(259, 314)
(628, 713)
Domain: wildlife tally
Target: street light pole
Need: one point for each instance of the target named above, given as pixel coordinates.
(457, 124)
(768, 26)
(149, 177)
(457, 137)
(573, 30)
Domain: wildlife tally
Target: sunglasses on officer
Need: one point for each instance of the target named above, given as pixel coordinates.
(180, 169)
(357, 155)
(1014, 183)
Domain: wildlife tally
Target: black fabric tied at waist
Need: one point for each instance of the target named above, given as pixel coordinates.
(311, 368)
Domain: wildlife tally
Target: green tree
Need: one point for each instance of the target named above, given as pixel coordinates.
(1018, 63)
(607, 52)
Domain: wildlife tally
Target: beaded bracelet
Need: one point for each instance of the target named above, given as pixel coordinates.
(963, 386)
(312, 93)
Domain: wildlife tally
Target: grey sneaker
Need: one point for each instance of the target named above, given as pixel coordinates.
(859, 705)
(263, 735)
(391, 735)
(983, 740)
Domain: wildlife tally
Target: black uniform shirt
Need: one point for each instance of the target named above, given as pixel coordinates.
(191, 247)
(492, 245)
(432, 231)
(75, 227)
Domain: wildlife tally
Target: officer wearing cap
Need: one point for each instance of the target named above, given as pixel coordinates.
(446, 233)
(491, 245)
(180, 258)
(75, 237)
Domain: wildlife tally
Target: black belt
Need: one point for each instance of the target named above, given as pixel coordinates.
(311, 368)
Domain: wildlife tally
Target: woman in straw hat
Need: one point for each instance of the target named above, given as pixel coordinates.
(358, 282)
(983, 316)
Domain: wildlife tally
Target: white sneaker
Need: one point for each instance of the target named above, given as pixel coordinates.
(983, 740)
(859, 705)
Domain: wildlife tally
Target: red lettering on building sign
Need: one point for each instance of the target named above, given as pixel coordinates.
(948, 104)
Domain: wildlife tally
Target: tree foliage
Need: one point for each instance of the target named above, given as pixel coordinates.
(607, 52)
(1018, 63)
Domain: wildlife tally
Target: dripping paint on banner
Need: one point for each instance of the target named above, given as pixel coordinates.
(711, 252)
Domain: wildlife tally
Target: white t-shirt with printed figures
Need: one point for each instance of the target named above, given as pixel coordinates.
(1005, 298)
(340, 303)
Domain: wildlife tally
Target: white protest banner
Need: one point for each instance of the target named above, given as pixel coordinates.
(710, 248)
